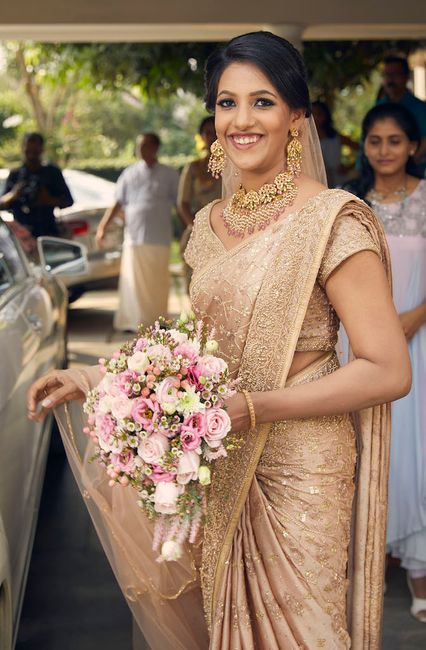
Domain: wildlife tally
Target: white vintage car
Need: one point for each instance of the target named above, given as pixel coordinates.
(33, 312)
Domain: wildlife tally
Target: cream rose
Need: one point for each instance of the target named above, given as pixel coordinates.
(187, 469)
(138, 361)
(151, 449)
(165, 497)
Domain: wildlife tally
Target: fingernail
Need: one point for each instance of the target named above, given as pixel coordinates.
(46, 403)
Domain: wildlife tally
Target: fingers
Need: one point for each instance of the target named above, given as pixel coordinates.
(64, 393)
(41, 388)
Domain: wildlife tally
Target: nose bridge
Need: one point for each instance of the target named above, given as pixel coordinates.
(243, 115)
(383, 145)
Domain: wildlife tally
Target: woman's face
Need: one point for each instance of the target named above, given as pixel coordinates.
(387, 147)
(252, 120)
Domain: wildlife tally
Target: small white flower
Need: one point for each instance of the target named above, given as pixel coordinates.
(204, 475)
(212, 346)
(171, 551)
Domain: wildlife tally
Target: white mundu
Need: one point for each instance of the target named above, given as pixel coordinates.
(147, 194)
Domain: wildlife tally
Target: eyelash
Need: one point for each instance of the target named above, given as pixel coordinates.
(229, 103)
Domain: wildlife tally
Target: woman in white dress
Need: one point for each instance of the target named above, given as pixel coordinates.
(398, 197)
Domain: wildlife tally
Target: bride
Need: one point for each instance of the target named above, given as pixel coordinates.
(292, 551)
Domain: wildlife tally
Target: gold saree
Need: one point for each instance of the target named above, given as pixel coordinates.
(274, 572)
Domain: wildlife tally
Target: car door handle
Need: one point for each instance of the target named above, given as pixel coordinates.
(35, 322)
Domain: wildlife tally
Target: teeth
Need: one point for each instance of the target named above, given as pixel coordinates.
(246, 139)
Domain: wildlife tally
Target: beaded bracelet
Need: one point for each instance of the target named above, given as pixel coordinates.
(250, 407)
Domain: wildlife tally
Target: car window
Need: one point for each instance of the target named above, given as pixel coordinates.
(12, 267)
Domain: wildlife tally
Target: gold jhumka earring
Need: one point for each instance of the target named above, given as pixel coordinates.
(294, 153)
(216, 163)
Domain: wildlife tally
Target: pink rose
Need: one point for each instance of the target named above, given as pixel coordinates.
(166, 496)
(190, 350)
(209, 366)
(145, 411)
(121, 407)
(187, 469)
(109, 385)
(159, 475)
(167, 392)
(151, 449)
(124, 462)
(191, 431)
(159, 353)
(218, 424)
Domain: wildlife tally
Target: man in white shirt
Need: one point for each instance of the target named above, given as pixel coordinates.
(146, 191)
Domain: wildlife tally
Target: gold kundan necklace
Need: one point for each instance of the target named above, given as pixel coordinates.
(247, 212)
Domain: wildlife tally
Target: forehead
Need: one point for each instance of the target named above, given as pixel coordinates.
(386, 127)
(241, 78)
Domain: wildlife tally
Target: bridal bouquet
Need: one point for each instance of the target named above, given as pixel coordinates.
(157, 421)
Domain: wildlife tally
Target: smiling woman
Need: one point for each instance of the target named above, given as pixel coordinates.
(276, 264)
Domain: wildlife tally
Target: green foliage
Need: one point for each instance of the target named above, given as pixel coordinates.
(335, 65)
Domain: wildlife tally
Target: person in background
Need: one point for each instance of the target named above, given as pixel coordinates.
(396, 74)
(331, 144)
(146, 191)
(389, 183)
(34, 189)
(197, 187)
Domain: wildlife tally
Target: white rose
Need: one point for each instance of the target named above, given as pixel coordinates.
(151, 449)
(105, 404)
(187, 469)
(165, 497)
(171, 551)
(138, 361)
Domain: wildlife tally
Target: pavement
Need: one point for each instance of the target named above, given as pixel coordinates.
(73, 601)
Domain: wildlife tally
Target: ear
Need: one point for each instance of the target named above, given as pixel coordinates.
(296, 118)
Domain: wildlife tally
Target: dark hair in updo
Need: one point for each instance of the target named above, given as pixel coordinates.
(406, 122)
(277, 58)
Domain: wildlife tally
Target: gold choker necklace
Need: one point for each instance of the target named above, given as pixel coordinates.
(247, 212)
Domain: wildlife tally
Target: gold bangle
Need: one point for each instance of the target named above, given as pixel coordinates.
(250, 407)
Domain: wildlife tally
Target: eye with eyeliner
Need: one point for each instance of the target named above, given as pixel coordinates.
(259, 102)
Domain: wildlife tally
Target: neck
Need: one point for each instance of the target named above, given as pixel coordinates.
(150, 163)
(392, 183)
(253, 180)
(33, 166)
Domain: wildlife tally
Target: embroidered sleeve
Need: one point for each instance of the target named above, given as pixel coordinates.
(348, 236)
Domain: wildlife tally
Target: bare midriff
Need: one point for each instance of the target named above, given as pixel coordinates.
(302, 360)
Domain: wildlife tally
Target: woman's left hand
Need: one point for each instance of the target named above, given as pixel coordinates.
(237, 409)
(412, 320)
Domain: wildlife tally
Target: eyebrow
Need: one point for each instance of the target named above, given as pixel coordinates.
(255, 92)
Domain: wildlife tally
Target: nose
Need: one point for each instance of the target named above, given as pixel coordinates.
(383, 148)
(243, 117)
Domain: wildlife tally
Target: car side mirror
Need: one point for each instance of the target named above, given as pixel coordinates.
(62, 256)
